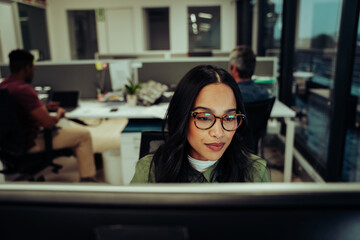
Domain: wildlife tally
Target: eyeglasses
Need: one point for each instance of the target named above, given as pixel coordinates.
(229, 122)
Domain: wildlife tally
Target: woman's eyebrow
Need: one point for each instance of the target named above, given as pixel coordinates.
(204, 108)
(210, 110)
(231, 110)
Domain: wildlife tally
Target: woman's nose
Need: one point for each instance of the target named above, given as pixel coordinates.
(217, 130)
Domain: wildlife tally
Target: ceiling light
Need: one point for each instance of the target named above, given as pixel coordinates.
(193, 17)
(205, 15)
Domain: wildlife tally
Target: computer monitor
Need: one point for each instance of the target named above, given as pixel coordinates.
(201, 211)
(69, 100)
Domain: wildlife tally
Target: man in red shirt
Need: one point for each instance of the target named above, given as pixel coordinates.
(33, 115)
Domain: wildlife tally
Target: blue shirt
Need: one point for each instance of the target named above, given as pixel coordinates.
(251, 92)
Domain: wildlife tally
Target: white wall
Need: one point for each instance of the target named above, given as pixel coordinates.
(8, 40)
(59, 35)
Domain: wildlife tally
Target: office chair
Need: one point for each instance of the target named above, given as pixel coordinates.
(150, 141)
(12, 145)
(258, 114)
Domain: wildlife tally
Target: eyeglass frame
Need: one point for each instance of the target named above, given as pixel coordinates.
(243, 116)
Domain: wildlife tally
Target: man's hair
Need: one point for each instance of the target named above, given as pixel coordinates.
(244, 59)
(19, 59)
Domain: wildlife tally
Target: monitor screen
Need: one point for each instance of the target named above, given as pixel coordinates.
(66, 98)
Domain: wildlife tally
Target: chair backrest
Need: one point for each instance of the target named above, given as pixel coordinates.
(151, 141)
(11, 134)
(258, 114)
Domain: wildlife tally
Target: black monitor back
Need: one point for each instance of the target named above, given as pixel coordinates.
(228, 211)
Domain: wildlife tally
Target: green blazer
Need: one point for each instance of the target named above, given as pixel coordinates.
(259, 171)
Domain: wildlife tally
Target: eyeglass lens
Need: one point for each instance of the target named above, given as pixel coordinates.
(206, 120)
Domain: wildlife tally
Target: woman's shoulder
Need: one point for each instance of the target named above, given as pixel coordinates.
(142, 170)
(145, 161)
(257, 161)
(259, 170)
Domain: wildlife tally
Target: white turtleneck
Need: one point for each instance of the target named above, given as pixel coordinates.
(200, 165)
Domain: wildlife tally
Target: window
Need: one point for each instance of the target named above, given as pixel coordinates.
(351, 163)
(157, 28)
(204, 28)
(82, 32)
(270, 38)
(315, 55)
(34, 30)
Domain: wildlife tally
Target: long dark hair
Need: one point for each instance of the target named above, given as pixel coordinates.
(171, 159)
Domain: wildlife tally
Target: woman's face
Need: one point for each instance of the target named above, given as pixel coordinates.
(210, 144)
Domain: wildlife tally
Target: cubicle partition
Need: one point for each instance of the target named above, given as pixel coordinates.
(4, 71)
(170, 71)
(83, 76)
(66, 76)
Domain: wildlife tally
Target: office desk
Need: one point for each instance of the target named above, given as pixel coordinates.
(119, 167)
(95, 109)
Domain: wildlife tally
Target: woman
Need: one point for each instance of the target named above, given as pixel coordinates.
(206, 125)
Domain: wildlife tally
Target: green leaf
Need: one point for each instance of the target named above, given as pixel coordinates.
(131, 88)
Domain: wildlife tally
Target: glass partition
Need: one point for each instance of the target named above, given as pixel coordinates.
(314, 66)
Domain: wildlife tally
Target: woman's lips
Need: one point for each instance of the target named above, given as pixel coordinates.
(215, 146)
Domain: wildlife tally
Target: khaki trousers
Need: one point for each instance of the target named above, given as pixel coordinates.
(79, 139)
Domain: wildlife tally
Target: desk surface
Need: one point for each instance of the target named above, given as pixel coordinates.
(281, 110)
(95, 109)
(323, 92)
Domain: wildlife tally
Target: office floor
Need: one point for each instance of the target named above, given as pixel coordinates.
(272, 153)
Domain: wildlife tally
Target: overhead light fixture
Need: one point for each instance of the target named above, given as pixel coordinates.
(205, 27)
(193, 17)
(205, 15)
(195, 28)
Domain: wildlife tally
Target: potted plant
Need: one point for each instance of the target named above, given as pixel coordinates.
(131, 90)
